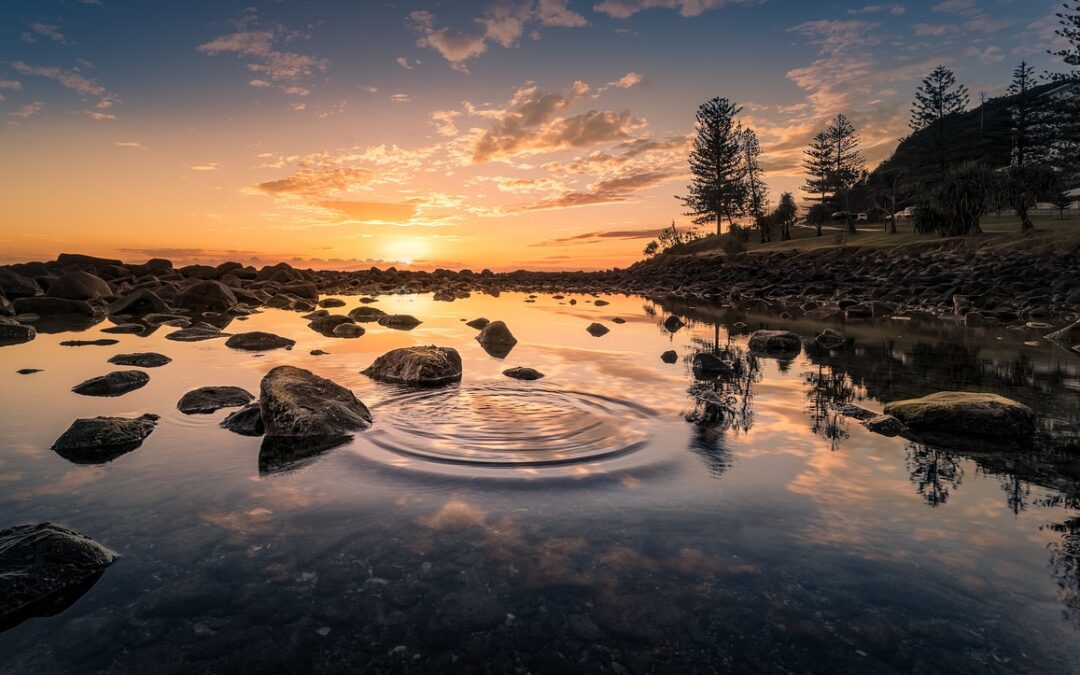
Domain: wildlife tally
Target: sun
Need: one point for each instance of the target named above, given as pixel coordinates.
(406, 249)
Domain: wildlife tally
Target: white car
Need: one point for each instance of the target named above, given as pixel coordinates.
(909, 212)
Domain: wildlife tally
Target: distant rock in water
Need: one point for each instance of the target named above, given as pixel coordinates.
(196, 333)
(708, 366)
(102, 439)
(13, 332)
(523, 373)
(601, 303)
(673, 323)
(348, 330)
(44, 569)
(423, 365)
(125, 329)
(296, 402)
(318, 352)
(962, 412)
(496, 339)
(140, 360)
(775, 343)
(619, 320)
(831, 339)
(326, 325)
(596, 329)
(27, 371)
(205, 400)
(79, 286)
(366, 314)
(116, 383)
(886, 425)
(399, 321)
(258, 341)
(100, 342)
(478, 323)
(670, 356)
(331, 302)
(247, 421)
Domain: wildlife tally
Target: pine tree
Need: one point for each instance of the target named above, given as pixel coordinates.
(755, 190)
(1069, 29)
(785, 214)
(1061, 117)
(846, 160)
(1024, 112)
(936, 99)
(818, 164)
(716, 190)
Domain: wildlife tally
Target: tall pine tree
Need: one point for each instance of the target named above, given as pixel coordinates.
(755, 190)
(1062, 115)
(716, 189)
(1024, 112)
(817, 164)
(847, 162)
(937, 98)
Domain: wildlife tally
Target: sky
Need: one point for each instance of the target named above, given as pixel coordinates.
(536, 134)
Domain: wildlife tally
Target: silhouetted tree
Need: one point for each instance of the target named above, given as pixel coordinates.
(755, 190)
(846, 161)
(818, 164)
(1062, 201)
(1023, 112)
(717, 188)
(785, 214)
(936, 99)
(1020, 188)
(956, 206)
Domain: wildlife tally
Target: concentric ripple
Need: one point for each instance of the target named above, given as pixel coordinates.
(507, 426)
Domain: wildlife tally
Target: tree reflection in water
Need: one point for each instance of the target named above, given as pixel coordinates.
(934, 472)
(828, 390)
(1065, 564)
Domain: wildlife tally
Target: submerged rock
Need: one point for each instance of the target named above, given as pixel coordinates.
(116, 383)
(831, 339)
(140, 360)
(523, 373)
(44, 569)
(670, 356)
(27, 371)
(399, 321)
(196, 333)
(205, 400)
(422, 365)
(100, 342)
(257, 341)
(101, 439)
(710, 366)
(125, 328)
(296, 402)
(366, 314)
(596, 329)
(775, 342)
(961, 412)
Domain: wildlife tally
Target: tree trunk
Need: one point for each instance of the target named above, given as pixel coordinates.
(847, 209)
(1025, 222)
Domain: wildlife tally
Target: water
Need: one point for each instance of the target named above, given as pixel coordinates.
(574, 523)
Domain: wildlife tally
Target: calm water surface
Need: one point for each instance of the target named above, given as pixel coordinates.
(575, 523)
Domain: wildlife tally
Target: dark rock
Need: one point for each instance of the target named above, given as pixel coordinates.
(399, 321)
(207, 296)
(14, 286)
(710, 366)
(619, 320)
(422, 365)
(496, 334)
(523, 373)
(775, 342)
(27, 371)
(139, 303)
(196, 333)
(670, 356)
(100, 342)
(348, 330)
(601, 303)
(79, 286)
(331, 302)
(318, 352)
(257, 341)
(102, 439)
(673, 323)
(1068, 336)
(970, 413)
(366, 314)
(44, 569)
(856, 412)
(116, 383)
(296, 402)
(831, 339)
(325, 325)
(477, 323)
(13, 332)
(596, 330)
(125, 329)
(886, 425)
(247, 421)
(48, 307)
(206, 400)
(140, 360)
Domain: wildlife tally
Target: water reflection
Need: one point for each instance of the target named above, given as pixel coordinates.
(935, 473)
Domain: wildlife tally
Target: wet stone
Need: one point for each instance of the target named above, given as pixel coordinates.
(140, 360)
(206, 400)
(116, 383)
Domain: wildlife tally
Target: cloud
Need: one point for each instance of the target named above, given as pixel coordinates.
(557, 13)
(28, 110)
(455, 46)
(130, 144)
(378, 212)
(317, 181)
(627, 81)
(13, 85)
(603, 192)
(598, 236)
(895, 10)
(931, 30)
(404, 63)
(624, 9)
(444, 122)
(401, 98)
(987, 24)
(74, 80)
(44, 30)
(274, 67)
(99, 116)
(206, 166)
(955, 6)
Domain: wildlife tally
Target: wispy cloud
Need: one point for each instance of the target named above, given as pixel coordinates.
(28, 110)
(45, 30)
(75, 81)
(624, 9)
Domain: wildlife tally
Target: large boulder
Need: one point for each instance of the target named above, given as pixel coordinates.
(44, 569)
(597, 329)
(116, 383)
(79, 286)
(50, 307)
(967, 413)
(207, 296)
(102, 439)
(496, 339)
(421, 365)
(205, 400)
(257, 341)
(15, 286)
(306, 291)
(775, 342)
(13, 332)
(295, 402)
(140, 303)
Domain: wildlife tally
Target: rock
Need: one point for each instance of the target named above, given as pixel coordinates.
(496, 334)
(601, 303)
(857, 412)
(258, 341)
(303, 290)
(294, 402)
(207, 296)
(139, 303)
(523, 373)
(196, 333)
(331, 302)
(155, 319)
(422, 365)
(886, 425)
(44, 569)
(596, 330)
(399, 321)
(13, 332)
(367, 300)
(79, 286)
(125, 329)
(247, 421)
(102, 439)
(960, 412)
(48, 307)
(318, 352)
(619, 320)
(140, 360)
(14, 286)
(670, 356)
(206, 400)
(100, 342)
(673, 323)
(366, 314)
(116, 383)
(1069, 336)
(831, 339)
(710, 366)
(325, 325)
(317, 314)
(777, 342)
(27, 371)
(478, 323)
(348, 330)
